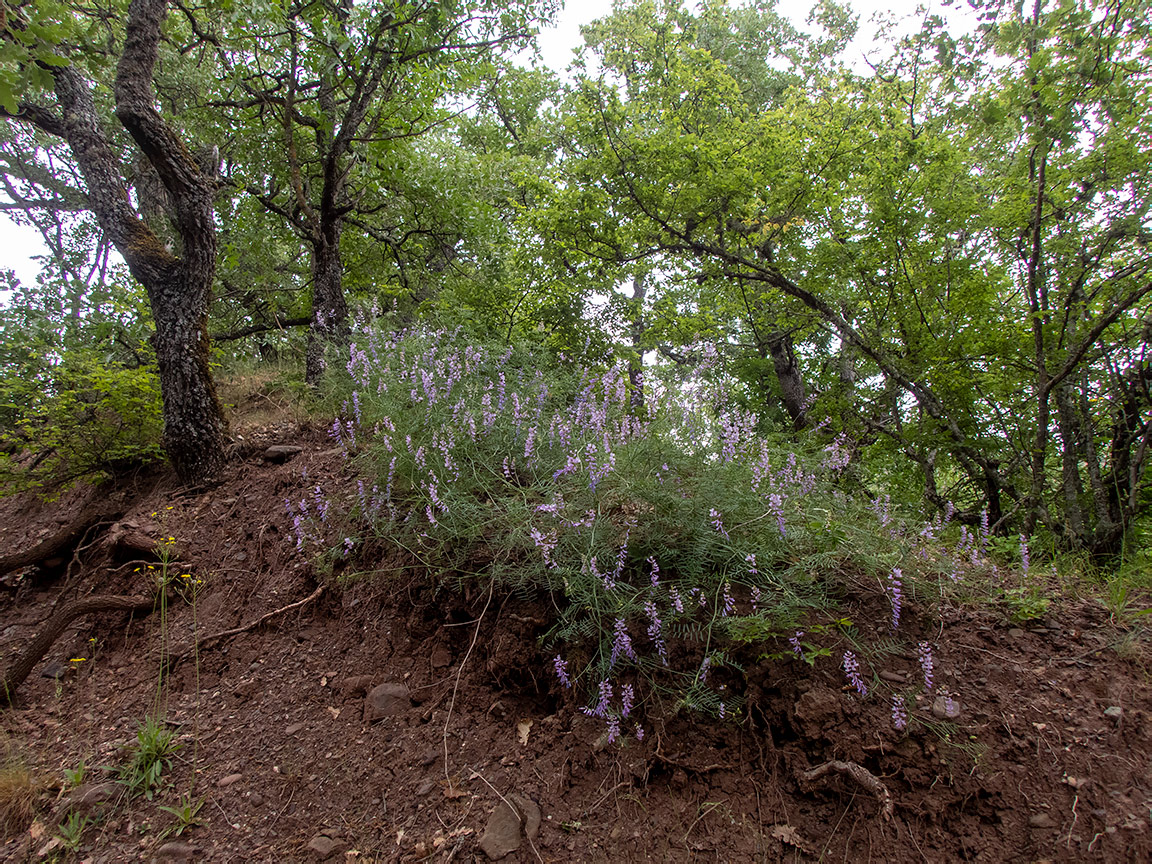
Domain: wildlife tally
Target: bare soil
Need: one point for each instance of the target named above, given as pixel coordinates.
(1047, 761)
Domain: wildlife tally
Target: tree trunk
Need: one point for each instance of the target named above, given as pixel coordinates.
(178, 288)
(329, 307)
(788, 375)
(636, 325)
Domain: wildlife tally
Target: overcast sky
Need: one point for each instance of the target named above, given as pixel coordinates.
(557, 44)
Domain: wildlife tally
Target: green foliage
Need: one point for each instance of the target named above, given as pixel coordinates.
(73, 777)
(149, 758)
(71, 831)
(676, 542)
(186, 814)
(78, 418)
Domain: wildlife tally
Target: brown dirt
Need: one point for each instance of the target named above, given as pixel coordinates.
(277, 746)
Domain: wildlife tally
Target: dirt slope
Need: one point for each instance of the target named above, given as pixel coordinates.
(1047, 760)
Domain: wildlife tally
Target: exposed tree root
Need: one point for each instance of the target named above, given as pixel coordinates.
(858, 773)
(177, 656)
(56, 625)
(59, 545)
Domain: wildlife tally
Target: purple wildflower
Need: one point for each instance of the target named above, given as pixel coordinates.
(705, 664)
(729, 602)
(721, 710)
(750, 558)
(755, 598)
(613, 728)
(654, 632)
(1024, 559)
(677, 600)
(717, 522)
(852, 671)
(622, 643)
(794, 641)
(639, 732)
(895, 594)
(924, 652)
(655, 572)
(899, 712)
(560, 665)
(626, 698)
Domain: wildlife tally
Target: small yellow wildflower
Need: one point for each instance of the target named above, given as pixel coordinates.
(77, 659)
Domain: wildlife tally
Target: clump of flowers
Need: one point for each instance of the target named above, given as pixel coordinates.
(852, 672)
(924, 653)
(896, 594)
(560, 665)
(899, 712)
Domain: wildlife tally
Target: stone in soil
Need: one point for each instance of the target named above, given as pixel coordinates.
(323, 848)
(386, 700)
(176, 851)
(280, 453)
(514, 818)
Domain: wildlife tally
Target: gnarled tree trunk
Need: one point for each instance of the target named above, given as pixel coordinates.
(178, 288)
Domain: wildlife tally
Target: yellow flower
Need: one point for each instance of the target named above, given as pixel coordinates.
(185, 575)
(77, 660)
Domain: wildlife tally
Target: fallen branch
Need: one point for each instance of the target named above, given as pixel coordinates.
(236, 631)
(58, 545)
(858, 773)
(56, 625)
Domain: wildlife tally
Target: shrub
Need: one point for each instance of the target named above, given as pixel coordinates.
(77, 418)
(678, 541)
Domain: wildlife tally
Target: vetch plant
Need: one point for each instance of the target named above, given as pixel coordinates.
(633, 521)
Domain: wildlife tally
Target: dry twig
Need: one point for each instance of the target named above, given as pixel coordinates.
(860, 774)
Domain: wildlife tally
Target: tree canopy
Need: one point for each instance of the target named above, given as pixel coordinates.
(939, 258)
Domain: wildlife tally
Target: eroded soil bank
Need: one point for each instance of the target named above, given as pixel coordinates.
(473, 751)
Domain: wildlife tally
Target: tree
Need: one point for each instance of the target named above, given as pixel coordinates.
(178, 282)
(335, 93)
(905, 222)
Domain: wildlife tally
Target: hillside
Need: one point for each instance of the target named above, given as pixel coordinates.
(288, 760)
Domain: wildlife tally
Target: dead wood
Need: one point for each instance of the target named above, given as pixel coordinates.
(59, 545)
(860, 774)
(56, 625)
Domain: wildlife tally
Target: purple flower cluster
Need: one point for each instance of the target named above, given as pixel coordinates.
(899, 712)
(852, 672)
(621, 642)
(560, 665)
(794, 641)
(896, 595)
(924, 653)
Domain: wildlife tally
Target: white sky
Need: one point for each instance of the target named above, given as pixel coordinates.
(557, 45)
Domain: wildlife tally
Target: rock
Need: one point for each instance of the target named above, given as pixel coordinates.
(257, 799)
(281, 453)
(1041, 820)
(502, 835)
(1015, 632)
(176, 851)
(530, 811)
(57, 670)
(92, 796)
(356, 685)
(225, 782)
(323, 848)
(945, 708)
(425, 787)
(386, 700)
(1114, 711)
(893, 677)
(816, 711)
(441, 657)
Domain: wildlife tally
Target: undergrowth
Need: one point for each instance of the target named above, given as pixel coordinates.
(678, 540)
